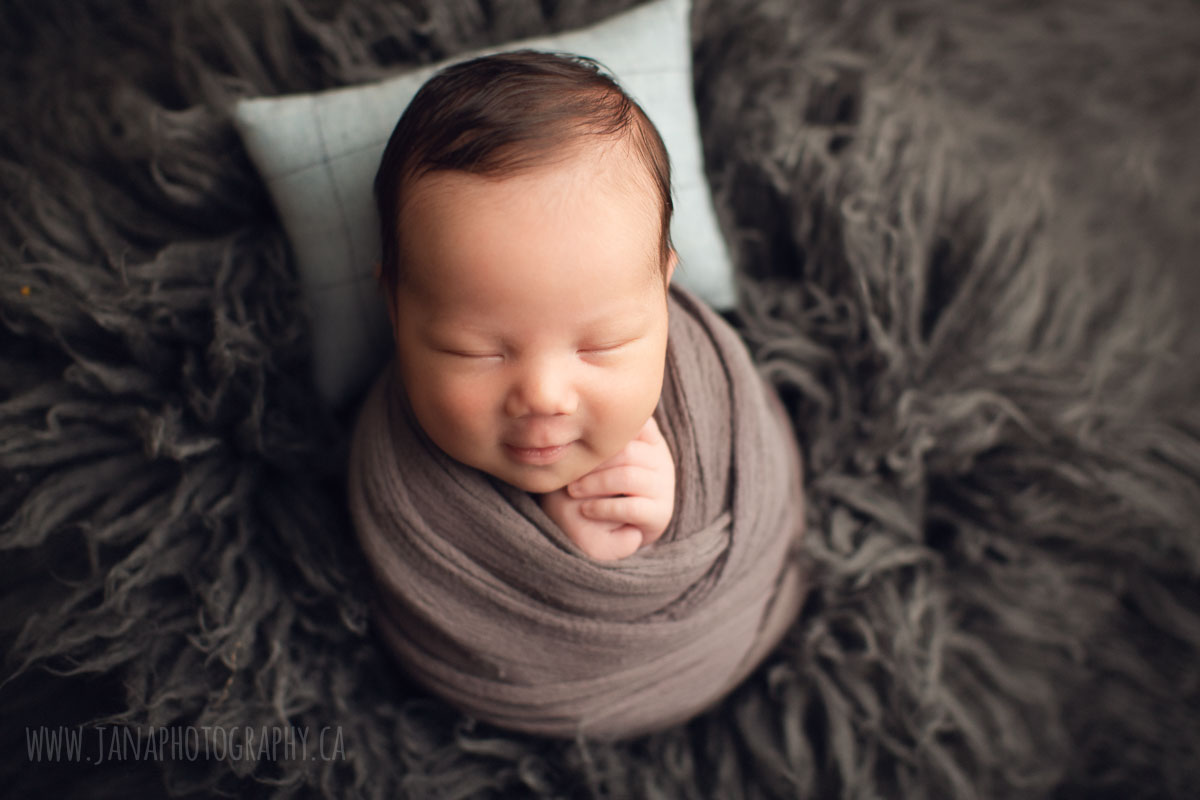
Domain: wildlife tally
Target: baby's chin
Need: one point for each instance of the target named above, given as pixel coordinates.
(539, 481)
(537, 484)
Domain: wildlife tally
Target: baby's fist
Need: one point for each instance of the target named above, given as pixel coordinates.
(624, 503)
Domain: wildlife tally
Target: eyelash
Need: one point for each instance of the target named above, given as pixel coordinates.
(599, 351)
(472, 355)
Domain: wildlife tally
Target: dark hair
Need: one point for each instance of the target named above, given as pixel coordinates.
(501, 114)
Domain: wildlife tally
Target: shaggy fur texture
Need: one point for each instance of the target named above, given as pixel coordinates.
(966, 235)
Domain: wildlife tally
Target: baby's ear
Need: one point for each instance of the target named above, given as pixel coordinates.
(672, 260)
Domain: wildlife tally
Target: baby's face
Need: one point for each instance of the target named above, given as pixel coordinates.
(531, 327)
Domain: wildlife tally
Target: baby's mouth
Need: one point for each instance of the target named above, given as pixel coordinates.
(537, 455)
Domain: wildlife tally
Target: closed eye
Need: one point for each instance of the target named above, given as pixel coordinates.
(467, 354)
(605, 349)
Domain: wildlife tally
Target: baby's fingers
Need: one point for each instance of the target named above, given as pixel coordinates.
(624, 479)
(641, 512)
(650, 432)
(610, 545)
(635, 452)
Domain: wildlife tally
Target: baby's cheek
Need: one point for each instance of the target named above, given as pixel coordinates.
(463, 397)
(620, 413)
(462, 405)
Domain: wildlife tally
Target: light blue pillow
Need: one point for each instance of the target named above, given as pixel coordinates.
(318, 154)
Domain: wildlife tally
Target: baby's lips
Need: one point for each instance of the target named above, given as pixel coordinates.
(538, 438)
(542, 456)
(519, 446)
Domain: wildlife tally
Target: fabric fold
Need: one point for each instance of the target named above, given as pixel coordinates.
(486, 602)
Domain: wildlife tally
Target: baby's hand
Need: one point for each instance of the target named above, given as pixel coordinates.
(621, 505)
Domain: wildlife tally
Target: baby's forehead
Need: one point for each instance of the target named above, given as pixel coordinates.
(563, 196)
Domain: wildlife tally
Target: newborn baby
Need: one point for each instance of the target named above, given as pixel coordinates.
(556, 410)
(527, 288)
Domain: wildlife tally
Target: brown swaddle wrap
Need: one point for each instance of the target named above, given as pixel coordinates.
(485, 601)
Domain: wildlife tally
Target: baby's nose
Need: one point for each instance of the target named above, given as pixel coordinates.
(542, 390)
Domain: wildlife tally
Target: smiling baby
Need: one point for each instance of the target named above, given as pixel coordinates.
(580, 502)
(526, 270)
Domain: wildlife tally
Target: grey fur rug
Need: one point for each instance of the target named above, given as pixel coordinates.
(967, 236)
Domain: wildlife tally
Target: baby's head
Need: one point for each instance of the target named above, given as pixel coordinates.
(525, 209)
